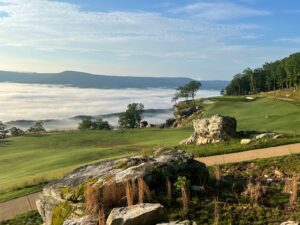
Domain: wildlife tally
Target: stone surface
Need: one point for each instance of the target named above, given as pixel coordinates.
(185, 112)
(245, 141)
(141, 214)
(153, 169)
(212, 130)
(87, 220)
(186, 222)
(290, 223)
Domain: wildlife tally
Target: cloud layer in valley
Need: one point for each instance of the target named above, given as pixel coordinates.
(40, 102)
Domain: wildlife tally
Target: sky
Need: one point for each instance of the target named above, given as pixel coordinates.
(202, 39)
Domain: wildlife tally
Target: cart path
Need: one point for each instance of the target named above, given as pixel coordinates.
(24, 204)
(251, 155)
(17, 206)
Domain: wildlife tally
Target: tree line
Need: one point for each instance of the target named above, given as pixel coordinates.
(272, 76)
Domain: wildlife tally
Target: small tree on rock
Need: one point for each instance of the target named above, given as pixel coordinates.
(188, 90)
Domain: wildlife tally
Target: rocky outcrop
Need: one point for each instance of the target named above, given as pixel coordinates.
(212, 130)
(185, 112)
(141, 214)
(290, 223)
(63, 201)
(186, 222)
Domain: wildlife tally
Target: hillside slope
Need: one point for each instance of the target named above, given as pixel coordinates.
(86, 80)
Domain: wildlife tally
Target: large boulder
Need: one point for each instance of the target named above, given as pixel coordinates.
(141, 214)
(290, 223)
(186, 222)
(212, 130)
(64, 200)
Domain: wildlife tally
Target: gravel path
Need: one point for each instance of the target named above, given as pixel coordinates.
(251, 155)
(17, 206)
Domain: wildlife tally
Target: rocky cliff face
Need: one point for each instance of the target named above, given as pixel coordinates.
(65, 201)
(187, 111)
(212, 130)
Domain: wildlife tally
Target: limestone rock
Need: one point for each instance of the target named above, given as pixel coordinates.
(69, 191)
(245, 141)
(186, 222)
(141, 214)
(87, 220)
(212, 130)
(290, 223)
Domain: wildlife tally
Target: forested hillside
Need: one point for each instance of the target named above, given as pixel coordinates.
(276, 75)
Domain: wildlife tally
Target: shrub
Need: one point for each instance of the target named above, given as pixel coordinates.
(37, 127)
(15, 132)
(99, 124)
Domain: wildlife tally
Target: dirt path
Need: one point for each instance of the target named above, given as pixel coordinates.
(251, 155)
(14, 207)
(17, 206)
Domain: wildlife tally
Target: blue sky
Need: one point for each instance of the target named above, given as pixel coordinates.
(196, 38)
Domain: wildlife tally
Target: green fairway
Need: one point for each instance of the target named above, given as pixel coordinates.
(32, 159)
(262, 114)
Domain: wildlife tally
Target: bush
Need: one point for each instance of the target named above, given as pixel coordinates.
(99, 124)
(15, 132)
(3, 131)
(37, 127)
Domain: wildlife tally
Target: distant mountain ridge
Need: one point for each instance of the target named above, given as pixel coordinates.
(87, 80)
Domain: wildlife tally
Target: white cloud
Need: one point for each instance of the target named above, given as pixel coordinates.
(58, 26)
(39, 102)
(290, 40)
(219, 11)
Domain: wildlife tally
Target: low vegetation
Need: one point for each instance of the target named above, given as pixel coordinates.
(30, 218)
(99, 124)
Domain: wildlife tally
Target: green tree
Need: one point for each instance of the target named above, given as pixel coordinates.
(85, 124)
(100, 124)
(3, 130)
(192, 88)
(15, 132)
(280, 74)
(188, 90)
(37, 127)
(132, 117)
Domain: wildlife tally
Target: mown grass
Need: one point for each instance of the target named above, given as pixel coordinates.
(22, 191)
(34, 159)
(263, 114)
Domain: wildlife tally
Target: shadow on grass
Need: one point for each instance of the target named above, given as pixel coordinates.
(37, 135)
(4, 142)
